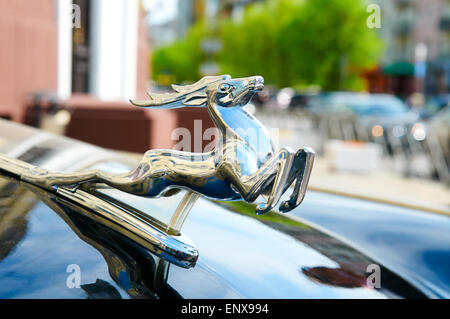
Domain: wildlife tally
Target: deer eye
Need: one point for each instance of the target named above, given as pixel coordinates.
(224, 88)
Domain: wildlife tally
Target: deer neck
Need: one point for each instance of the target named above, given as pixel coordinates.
(237, 123)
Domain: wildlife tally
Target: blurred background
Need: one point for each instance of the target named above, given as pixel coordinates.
(364, 83)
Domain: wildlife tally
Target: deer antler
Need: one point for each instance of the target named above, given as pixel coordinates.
(189, 95)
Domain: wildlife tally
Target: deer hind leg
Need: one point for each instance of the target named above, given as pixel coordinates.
(303, 163)
(48, 180)
(274, 174)
(132, 182)
(157, 170)
(149, 185)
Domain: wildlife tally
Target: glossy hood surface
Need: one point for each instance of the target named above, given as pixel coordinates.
(326, 248)
(241, 256)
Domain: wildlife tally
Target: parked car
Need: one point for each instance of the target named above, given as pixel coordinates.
(434, 104)
(369, 117)
(301, 100)
(98, 242)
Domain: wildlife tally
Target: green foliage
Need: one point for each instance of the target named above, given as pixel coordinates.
(289, 42)
(181, 59)
(329, 41)
(247, 209)
(253, 46)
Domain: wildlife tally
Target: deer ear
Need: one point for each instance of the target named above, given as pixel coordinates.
(195, 99)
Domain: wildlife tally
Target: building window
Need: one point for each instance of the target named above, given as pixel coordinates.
(80, 50)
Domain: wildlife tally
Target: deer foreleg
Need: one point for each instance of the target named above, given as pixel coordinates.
(275, 173)
(303, 162)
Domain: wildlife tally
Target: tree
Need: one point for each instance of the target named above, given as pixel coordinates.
(181, 59)
(329, 43)
(253, 45)
(289, 42)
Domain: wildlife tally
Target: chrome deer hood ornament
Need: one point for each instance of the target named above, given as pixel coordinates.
(243, 165)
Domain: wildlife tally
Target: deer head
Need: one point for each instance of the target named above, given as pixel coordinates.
(221, 90)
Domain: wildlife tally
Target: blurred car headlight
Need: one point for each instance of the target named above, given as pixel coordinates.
(377, 130)
(284, 97)
(418, 131)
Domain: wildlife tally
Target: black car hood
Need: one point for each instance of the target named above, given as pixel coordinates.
(413, 243)
(241, 256)
(322, 249)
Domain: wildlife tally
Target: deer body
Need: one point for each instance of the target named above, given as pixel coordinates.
(243, 165)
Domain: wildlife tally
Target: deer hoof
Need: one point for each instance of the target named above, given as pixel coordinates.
(262, 209)
(286, 206)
